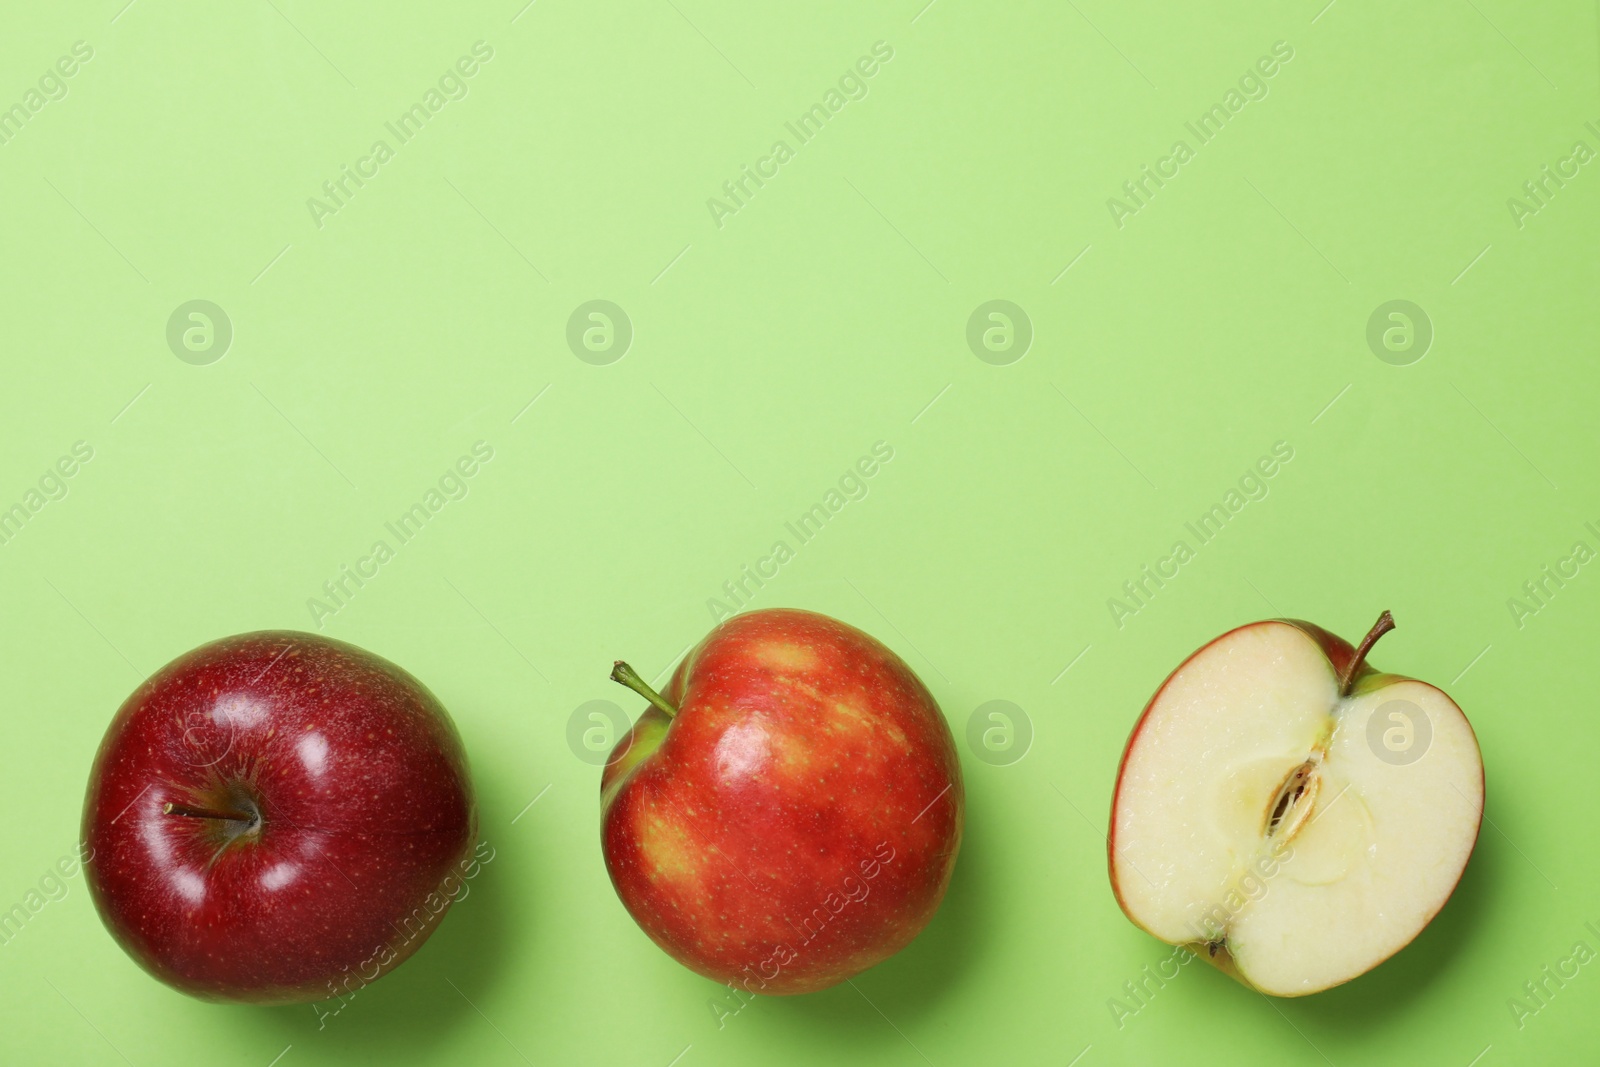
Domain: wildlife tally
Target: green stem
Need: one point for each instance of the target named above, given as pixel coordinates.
(621, 672)
(1384, 624)
(206, 813)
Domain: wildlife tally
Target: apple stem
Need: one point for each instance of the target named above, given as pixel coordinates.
(621, 672)
(206, 813)
(1384, 624)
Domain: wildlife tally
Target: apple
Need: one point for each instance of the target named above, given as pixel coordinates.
(787, 814)
(1289, 813)
(276, 817)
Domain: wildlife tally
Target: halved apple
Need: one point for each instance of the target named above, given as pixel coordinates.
(1289, 813)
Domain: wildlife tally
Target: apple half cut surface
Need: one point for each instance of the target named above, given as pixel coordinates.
(1290, 814)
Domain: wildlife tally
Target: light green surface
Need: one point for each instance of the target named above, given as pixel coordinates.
(768, 354)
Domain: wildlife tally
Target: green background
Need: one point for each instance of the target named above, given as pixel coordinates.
(768, 354)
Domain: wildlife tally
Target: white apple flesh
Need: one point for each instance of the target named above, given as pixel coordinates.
(1265, 820)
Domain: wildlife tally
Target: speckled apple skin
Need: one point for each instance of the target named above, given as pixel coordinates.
(366, 813)
(798, 820)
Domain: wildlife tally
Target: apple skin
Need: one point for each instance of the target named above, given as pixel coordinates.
(798, 820)
(364, 804)
(1339, 653)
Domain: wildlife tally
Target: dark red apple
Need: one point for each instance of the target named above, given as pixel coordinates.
(277, 817)
(788, 813)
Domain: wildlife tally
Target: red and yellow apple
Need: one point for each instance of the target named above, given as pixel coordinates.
(1289, 813)
(787, 813)
(277, 817)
